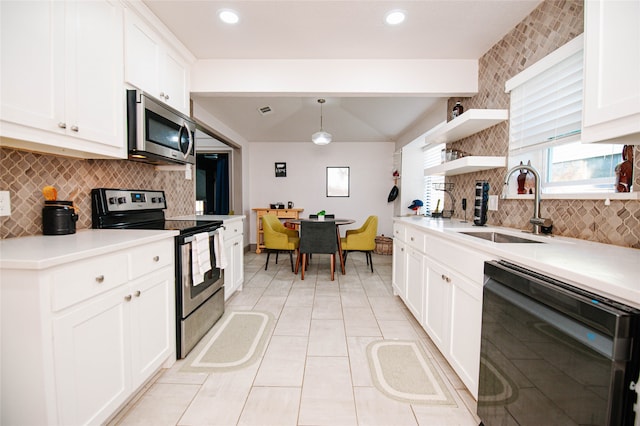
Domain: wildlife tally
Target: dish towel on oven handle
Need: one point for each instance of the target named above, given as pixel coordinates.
(200, 257)
(218, 248)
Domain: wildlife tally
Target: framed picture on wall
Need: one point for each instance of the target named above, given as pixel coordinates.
(281, 169)
(337, 181)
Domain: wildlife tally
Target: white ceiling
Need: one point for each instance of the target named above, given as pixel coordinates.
(323, 29)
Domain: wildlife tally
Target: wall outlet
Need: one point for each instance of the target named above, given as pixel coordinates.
(493, 203)
(5, 203)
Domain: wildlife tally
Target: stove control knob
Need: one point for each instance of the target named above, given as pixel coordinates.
(154, 200)
(112, 200)
(122, 200)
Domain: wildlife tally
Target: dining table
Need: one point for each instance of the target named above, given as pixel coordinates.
(338, 222)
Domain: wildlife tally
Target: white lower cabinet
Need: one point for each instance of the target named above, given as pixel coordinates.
(399, 262)
(234, 250)
(91, 333)
(415, 299)
(442, 288)
(438, 301)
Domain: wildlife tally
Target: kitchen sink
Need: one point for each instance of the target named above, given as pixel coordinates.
(498, 237)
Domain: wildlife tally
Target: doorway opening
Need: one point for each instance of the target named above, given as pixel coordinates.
(212, 183)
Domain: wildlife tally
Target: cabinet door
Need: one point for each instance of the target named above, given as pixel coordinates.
(32, 61)
(234, 273)
(399, 269)
(415, 284)
(142, 55)
(175, 82)
(466, 320)
(151, 300)
(612, 66)
(438, 302)
(91, 353)
(94, 78)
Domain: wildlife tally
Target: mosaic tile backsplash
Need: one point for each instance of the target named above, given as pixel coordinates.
(548, 27)
(24, 174)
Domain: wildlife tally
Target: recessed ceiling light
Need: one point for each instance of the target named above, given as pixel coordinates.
(228, 16)
(395, 17)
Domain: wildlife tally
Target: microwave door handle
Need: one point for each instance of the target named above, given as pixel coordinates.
(186, 129)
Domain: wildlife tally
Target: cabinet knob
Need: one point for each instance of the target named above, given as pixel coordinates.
(156, 258)
(162, 95)
(166, 97)
(235, 244)
(411, 238)
(100, 278)
(137, 293)
(127, 298)
(74, 128)
(62, 125)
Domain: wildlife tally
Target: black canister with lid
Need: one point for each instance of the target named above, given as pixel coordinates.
(59, 218)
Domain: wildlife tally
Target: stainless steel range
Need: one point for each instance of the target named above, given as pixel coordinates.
(198, 304)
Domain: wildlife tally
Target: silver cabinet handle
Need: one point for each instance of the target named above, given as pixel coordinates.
(100, 278)
(235, 244)
(62, 125)
(74, 128)
(156, 258)
(127, 298)
(166, 97)
(162, 95)
(137, 293)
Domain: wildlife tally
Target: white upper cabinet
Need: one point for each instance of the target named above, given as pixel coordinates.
(611, 111)
(153, 66)
(62, 78)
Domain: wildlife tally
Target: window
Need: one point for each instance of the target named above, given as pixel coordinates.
(546, 121)
(432, 157)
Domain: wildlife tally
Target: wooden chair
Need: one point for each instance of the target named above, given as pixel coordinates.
(276, 241)
(318, 238)
(362, 239)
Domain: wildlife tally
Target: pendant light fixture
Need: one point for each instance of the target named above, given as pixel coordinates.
(321, 137)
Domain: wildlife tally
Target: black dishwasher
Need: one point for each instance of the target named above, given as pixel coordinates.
(553, 354)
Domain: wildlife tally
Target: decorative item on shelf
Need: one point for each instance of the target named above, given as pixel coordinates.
(321, 214)
(624, 170)
(526, 181)
(289, 204)
(457, 111)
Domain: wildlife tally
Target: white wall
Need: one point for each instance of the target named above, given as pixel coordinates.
(371, 168)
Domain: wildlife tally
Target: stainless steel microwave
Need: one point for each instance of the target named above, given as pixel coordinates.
(157, 133)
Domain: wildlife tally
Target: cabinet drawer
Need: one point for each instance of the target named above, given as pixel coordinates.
(290, 214)
(458, 258)
(78, 281)
(151, 257)
(415, 238)
(232, 230)
(399, 232)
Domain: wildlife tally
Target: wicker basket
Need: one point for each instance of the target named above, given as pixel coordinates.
(384, 245)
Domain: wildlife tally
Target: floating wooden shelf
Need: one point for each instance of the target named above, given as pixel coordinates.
(470, 122)
(466, 165)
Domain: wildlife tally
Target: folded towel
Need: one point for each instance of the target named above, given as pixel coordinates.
(218, 248)
(200, 257)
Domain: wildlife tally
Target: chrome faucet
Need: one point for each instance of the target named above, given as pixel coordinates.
(536, 220)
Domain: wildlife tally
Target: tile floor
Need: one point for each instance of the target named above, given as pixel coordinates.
(314, 369)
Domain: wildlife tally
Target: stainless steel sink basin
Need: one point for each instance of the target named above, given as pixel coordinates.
(498, 237)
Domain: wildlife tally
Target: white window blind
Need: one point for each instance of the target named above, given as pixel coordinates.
(432, 157)
(546, 100)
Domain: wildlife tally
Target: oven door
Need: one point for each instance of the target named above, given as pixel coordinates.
(191, 295)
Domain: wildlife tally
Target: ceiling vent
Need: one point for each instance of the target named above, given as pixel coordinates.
(265, 110)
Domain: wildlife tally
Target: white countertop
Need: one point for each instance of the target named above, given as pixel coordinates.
(45, 251)
(608, 270)
(225, 218)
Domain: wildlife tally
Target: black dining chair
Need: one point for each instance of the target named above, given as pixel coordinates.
(319, 238)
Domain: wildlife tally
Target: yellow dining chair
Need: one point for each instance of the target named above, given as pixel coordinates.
(276, 241)
(362, 239)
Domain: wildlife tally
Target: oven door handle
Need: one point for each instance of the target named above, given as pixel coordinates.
(211, 234)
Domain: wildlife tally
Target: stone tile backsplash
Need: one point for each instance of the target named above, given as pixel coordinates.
(549, 26)
(24, 174)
